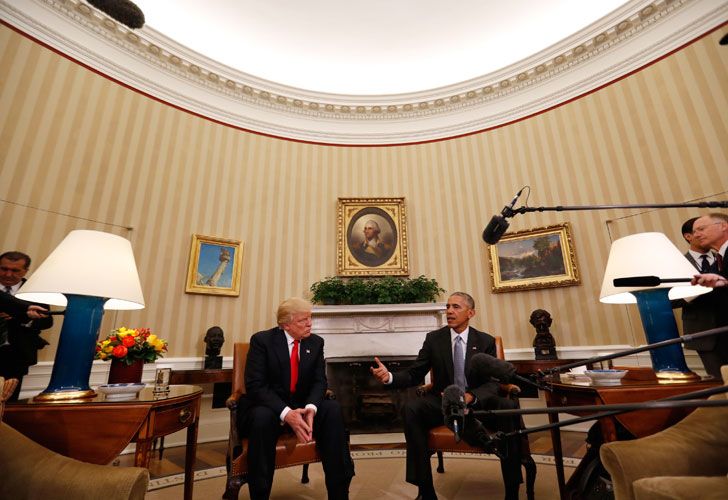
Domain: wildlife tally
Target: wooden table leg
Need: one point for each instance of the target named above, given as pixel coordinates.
(190, 457)
(142, 453)
(558, 455)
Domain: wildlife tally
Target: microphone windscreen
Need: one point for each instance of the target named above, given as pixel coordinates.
(495, 229)
(485, 365)
(637, 281)
(452, 395)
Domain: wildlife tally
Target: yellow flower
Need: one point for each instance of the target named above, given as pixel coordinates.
(107, 348)
(152, 339)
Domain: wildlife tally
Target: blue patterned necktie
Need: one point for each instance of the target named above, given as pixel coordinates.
(459, 362)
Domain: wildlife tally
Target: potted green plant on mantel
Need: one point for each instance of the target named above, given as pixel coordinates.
(386, 290)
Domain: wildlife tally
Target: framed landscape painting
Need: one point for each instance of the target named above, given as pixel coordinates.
(215, 265)
(536, 258)
(372, 237)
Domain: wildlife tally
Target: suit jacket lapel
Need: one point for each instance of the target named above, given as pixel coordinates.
(305, 355)
(689, 256)
(280, 346)
(445, 348)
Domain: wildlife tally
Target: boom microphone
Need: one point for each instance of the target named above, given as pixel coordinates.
(498, 224)
(647, 281)
(453, 408)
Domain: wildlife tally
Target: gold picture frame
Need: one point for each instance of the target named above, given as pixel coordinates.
(382, 250)
(215, 266)
(537, 258)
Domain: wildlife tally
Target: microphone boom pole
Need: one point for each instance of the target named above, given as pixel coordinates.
(648, 347)
(561, 208)
(686, 400)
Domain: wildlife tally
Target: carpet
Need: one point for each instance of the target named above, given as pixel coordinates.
(379, 474)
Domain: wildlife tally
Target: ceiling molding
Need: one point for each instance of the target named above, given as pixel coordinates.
(633, 36)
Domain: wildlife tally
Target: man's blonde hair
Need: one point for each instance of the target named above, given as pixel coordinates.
(292, 306)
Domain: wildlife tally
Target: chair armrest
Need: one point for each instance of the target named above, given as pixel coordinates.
(424, 389)
(510, 389)
(232, 401)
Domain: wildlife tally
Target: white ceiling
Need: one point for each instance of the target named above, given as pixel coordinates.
(370, 48)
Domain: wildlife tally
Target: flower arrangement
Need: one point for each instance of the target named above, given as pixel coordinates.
(129, 345)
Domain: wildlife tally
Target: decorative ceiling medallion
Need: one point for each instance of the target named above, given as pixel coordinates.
(480, 102)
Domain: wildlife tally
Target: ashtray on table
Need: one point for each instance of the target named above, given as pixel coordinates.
(606, 377)
(118, 392)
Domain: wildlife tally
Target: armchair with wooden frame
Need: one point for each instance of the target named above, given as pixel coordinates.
(441, 439)
(289, 452)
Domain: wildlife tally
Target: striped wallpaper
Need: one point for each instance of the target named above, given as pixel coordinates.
(79, 151)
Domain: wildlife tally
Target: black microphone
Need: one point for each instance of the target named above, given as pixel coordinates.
(484, 365)
(453, 409)
(498, 225)
(647, 281)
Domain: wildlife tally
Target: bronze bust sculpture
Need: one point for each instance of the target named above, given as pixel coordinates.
(544, 344)
(214, 339)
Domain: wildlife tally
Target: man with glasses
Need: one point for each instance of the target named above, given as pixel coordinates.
(699, 313)
(711, 231)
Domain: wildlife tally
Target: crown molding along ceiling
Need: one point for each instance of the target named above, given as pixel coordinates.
(634, 34)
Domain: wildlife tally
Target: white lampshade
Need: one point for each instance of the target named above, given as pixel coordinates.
(91, 263)
(647, 254)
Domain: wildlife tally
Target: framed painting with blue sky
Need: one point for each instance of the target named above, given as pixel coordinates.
(215, 266)
(535, 258)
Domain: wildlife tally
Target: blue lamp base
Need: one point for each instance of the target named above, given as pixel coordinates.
(659, 324)
(76, 348)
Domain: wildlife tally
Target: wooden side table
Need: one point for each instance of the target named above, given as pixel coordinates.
(95, 430)
(639, 423)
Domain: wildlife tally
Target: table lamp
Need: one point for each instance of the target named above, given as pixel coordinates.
(88, 272)
(653, 254)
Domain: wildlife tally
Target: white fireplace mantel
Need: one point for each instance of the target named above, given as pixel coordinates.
(376, 329)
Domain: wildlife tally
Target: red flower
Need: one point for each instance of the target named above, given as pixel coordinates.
(119, 351)
(127, 341)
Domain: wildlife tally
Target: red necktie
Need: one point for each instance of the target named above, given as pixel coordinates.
(294, 366)
(719, 259)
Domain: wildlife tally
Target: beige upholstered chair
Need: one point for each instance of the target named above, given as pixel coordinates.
(289, 452)
(686, 461)
(442, 439)
(30, 471)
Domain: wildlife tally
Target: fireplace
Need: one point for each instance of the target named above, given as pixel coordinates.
(368, 406)
(353, 335)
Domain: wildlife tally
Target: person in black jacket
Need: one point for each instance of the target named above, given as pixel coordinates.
(438, 354)
(19, 350)
(285, 382)
(712, 231)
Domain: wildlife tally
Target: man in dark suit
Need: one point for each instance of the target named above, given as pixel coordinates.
(701, 312)
(20, 350)
(448, 352)
(711, 231)
(285, 381)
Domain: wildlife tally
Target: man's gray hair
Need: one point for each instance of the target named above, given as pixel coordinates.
(466, 297)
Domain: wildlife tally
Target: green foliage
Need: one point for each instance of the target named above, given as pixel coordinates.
(386, 290)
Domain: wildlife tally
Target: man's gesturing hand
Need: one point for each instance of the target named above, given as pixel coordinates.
(297, 421)
(380, 372)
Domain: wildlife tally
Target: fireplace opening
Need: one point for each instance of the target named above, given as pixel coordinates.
(368, 406)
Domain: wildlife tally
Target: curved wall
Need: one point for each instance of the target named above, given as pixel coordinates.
(79, 151)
